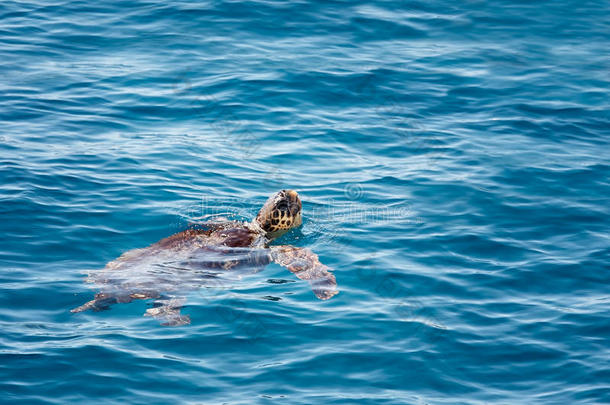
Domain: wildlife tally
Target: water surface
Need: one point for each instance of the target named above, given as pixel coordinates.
(452, 158)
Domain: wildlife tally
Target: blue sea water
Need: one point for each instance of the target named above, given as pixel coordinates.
(453, 161)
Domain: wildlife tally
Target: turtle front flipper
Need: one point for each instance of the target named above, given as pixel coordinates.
(167, 311)
(306, 266)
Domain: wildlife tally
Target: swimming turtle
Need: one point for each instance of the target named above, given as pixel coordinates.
(195, 257)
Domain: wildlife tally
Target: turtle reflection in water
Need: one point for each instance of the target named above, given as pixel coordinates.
(190, 259)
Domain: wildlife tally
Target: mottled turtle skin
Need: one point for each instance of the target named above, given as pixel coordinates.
(200, 256)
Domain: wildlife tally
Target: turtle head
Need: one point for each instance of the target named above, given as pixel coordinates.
(281, 212)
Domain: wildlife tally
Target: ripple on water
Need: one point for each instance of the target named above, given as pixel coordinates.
(451, 160)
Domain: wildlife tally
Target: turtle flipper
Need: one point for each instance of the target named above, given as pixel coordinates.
(306, 266)
(104, 300)
(101, 302)
(167, 310)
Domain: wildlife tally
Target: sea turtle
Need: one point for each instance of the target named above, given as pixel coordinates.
(196, 257)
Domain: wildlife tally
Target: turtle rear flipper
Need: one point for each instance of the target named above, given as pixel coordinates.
(305, 264)
(94, 305)
(167, 310)
(103, 301)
